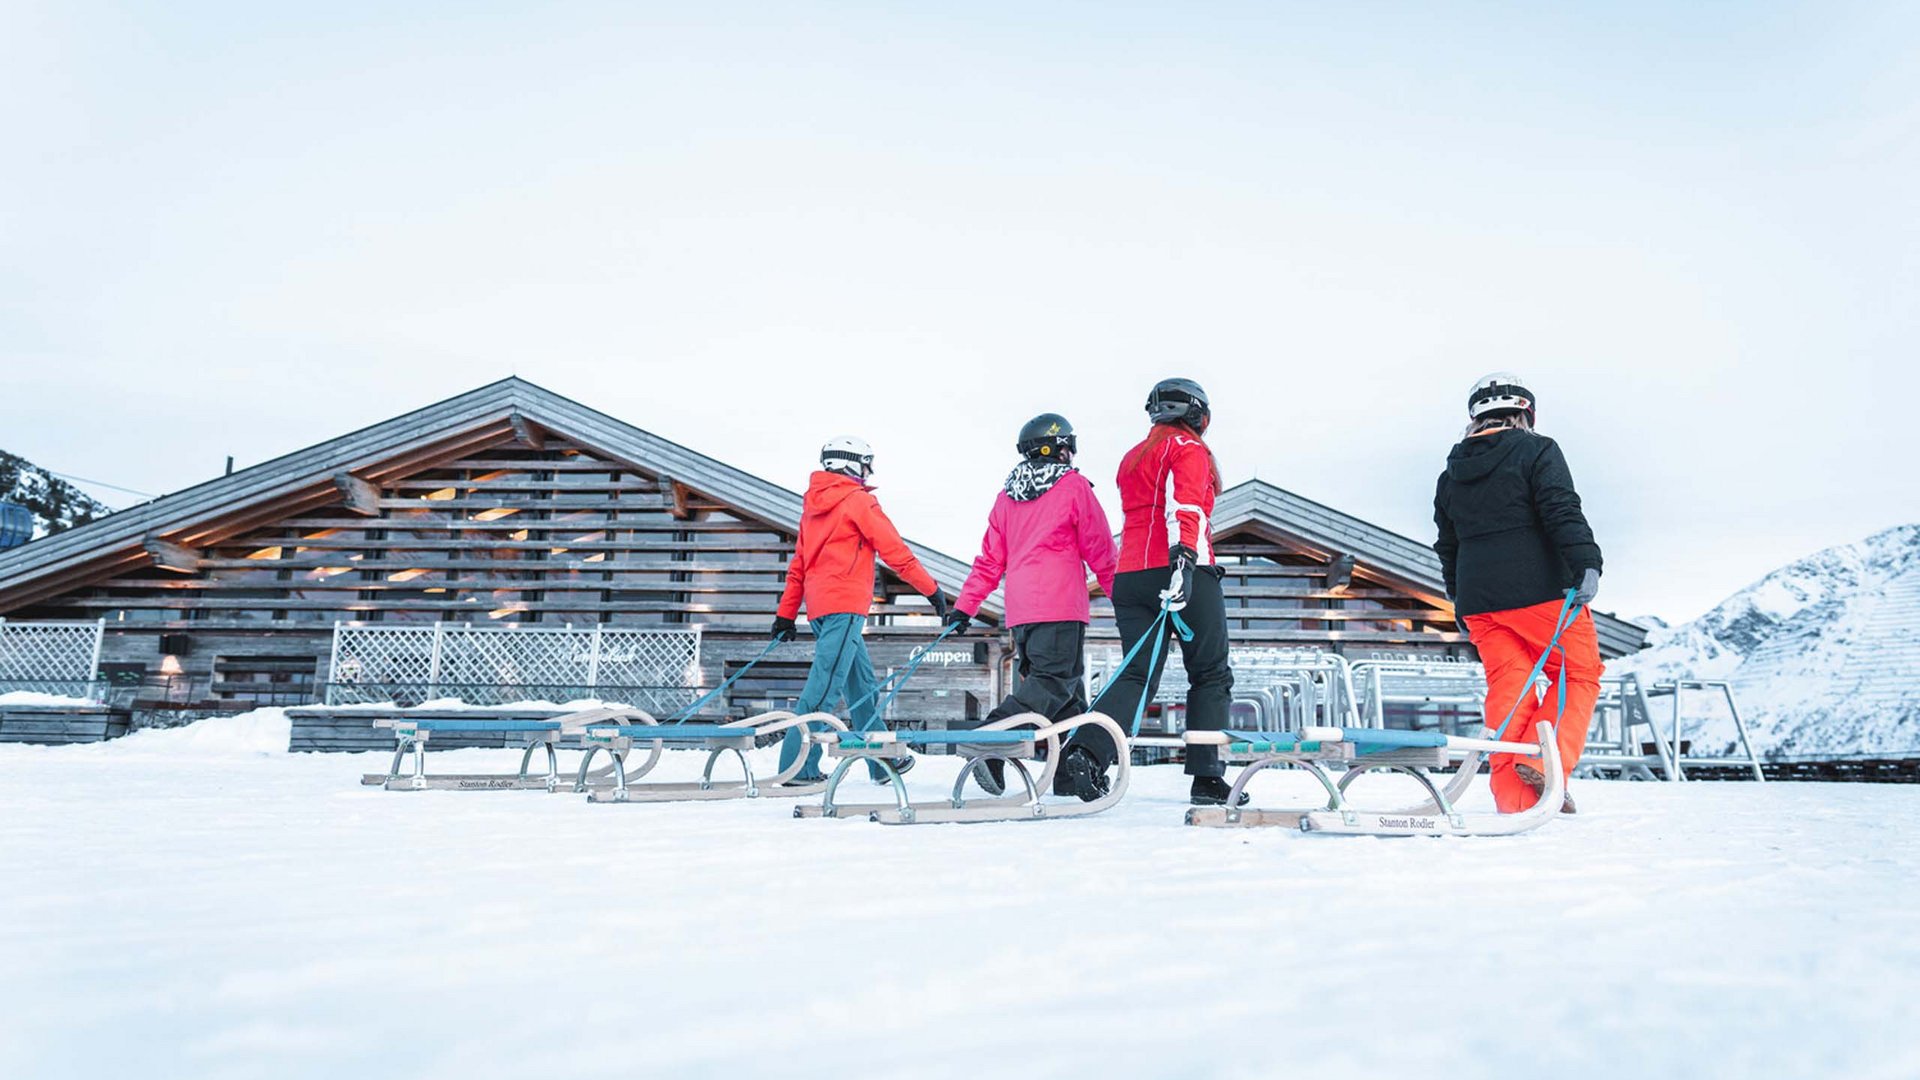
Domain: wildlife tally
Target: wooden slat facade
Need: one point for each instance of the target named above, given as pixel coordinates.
(504, 534)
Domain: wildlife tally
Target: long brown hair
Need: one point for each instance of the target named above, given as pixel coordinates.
(1512, 419)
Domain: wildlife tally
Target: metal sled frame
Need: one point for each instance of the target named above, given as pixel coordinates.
(1014, 740)
(412, 736)
(617, 731)
(1315, 749)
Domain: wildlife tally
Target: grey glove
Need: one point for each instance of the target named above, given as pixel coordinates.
(1589, 588)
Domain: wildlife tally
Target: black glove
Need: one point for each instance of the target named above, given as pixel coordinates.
(1180, 563)
(784, 629)
(939, 601)
(1589, 588)
(958, 621)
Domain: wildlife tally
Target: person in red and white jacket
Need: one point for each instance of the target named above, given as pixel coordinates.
(1167, 487)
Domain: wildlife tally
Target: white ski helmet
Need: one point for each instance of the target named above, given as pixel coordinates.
(848, 454)
(1500, 391)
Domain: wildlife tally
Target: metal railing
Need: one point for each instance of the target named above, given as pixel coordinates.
(1273, 690)
(450, 660)
(1430, 689)
(660, 700)
(1626, 709)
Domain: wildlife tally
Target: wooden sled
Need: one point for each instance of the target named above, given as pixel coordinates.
(1357, 751)
(613, 731)
(412, 736)
(1015, 740)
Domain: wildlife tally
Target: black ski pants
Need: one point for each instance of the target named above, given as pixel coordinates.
(1052, 670)
(1136, 604)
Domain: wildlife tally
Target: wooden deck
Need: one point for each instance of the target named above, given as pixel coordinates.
(60, 724)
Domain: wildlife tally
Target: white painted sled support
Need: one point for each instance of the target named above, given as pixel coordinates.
(618, 733)
(1015, 740)
(1358, 751)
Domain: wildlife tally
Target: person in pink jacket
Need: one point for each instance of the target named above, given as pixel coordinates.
(1045, 532)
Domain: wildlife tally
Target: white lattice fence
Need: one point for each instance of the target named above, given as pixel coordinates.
(657, 670)
(51, 657)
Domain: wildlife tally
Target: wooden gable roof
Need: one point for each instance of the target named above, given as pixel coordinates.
(1256, 506)
(318, 475)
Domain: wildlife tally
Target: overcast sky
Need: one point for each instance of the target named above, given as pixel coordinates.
(244, 228)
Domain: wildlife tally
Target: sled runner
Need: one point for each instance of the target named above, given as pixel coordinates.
(616, 734)
(1014, 740)
(411, 737)
(1357, 751)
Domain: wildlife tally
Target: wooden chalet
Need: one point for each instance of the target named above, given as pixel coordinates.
(508, 505)
(511, 505)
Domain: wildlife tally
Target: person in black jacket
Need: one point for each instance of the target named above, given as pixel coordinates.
(1513, 540)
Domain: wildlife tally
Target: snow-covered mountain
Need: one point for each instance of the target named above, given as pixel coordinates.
(55, 504)
(1824, 654)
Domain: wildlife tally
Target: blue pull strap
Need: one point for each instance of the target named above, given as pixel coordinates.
(1568, 615)
(681, 716)
(1158, 633)
(899, 679)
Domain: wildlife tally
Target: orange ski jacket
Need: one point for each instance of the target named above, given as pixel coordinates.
(842, 528)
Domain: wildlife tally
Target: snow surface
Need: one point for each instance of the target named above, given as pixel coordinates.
(35, 697)
(196, 902)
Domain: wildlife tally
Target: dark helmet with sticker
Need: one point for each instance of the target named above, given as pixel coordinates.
(1049, 437)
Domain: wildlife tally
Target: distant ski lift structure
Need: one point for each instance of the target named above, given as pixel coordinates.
(16, 525)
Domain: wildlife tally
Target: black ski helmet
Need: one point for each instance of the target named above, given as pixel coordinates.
(1048, 435)
(1179, 401)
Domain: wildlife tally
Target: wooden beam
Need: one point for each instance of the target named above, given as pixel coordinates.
(117, 561)
(362, 498)
(171, 556)
(527, 433)
(1340, 573)
(680, 496)
(434, 455)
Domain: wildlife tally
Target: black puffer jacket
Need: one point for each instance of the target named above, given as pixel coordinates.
(1511, 531)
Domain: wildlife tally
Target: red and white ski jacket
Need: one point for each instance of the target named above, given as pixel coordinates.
(1167, 487)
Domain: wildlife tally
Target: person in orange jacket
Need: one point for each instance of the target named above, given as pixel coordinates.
(842, 529)
(1513, 539)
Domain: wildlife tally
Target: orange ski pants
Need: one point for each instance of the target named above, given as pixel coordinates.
(1510, 643)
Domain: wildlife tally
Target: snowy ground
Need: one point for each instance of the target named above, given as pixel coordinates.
(193, 903)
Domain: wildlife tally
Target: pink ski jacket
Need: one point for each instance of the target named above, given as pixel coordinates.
(1044, 548)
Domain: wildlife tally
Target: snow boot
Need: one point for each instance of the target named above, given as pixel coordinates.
(1082, 776)
(1213, 791)
(991, 775)
(1532, 777)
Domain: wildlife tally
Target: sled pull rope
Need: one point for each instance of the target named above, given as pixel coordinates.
(1569, 613)
(899, 678)
(1158, 632)
(682, 716)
